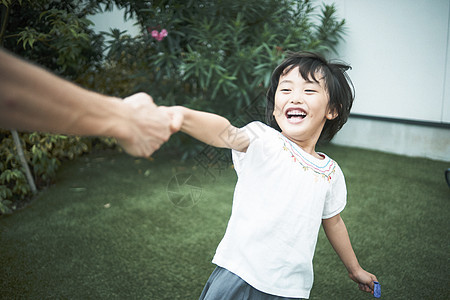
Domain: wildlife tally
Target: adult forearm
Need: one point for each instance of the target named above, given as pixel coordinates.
(34, 99)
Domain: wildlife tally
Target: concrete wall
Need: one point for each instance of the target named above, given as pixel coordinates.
(400, 54)
(406, 139)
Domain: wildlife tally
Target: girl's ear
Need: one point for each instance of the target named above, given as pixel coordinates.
(332, 114)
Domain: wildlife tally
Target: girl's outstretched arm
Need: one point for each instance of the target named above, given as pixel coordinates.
(338, 236)
(209, 128)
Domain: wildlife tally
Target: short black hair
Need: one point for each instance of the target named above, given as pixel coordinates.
(337, 83)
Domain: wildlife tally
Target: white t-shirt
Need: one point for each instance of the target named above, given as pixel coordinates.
(281, 196)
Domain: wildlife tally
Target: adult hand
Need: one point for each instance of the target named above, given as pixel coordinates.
(148, 126)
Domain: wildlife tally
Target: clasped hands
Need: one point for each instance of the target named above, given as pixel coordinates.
(148, 126)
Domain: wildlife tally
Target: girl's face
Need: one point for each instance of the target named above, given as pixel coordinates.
(301, 108)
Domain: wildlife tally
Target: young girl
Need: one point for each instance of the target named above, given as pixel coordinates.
(285, 189)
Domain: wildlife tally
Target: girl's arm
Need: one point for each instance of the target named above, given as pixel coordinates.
(338, 236)
(209, 128)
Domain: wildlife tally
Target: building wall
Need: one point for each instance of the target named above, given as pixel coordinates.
(395, 137)
(400, 54)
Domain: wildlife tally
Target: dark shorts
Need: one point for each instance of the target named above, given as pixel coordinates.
(224, 285)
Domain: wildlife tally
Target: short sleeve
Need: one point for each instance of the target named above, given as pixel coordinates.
(337, 196)
(255, 131)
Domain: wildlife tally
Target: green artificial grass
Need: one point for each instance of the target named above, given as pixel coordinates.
(116, 227)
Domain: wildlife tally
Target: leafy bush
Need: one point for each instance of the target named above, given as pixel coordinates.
(219, 55)
(43, 152)
(54, 34)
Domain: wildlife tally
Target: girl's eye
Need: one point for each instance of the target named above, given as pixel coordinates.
(310, 91)
(285, 90)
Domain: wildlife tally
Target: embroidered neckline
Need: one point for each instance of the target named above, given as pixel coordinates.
(299, 156)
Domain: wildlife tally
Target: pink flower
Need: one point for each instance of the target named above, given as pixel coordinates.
(155, 34)
(159, 36)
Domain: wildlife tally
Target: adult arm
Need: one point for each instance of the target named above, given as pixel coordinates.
(209, 128)
(33, 99)
(337, 234)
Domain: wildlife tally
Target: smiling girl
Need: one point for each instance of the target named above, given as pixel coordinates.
(285, 189)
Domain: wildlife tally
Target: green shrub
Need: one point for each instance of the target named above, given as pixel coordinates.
(219, 55)
(54, 34)
(43, 152)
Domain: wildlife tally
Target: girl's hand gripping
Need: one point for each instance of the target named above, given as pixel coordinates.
(364, 279)
(176, 117)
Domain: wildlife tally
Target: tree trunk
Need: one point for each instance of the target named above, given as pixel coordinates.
(23, 161)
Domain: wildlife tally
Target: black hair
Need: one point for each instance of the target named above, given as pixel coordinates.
(337, 83)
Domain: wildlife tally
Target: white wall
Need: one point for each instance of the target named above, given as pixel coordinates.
(114, 19)
(398, 50)
(394, 137)
(400, 54)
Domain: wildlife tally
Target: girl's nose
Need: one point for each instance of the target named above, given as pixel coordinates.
(296, 99)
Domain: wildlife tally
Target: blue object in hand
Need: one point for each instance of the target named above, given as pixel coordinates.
(376, 289)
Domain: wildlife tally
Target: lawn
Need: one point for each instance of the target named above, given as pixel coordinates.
(117, 227)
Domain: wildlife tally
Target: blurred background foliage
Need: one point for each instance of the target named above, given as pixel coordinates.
(218, 56)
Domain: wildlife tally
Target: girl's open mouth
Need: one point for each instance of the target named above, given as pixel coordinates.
(295, 115)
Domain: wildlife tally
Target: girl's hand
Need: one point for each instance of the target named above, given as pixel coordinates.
(364, 280)
(176, 117)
